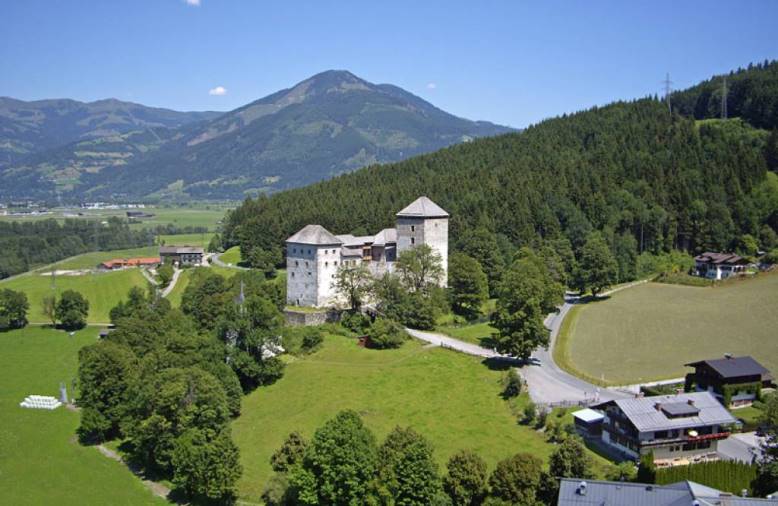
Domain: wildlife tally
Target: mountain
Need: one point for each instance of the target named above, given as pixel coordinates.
(33, 127)
(329, 124)
(648, 180)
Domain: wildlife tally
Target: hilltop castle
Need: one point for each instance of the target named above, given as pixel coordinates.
(313, 255)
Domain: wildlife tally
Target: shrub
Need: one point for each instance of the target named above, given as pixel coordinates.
(727, 475)
(530, 413)
(355, 321)
(541, 419)
(511, 385)
(387, 334)
(312, 339)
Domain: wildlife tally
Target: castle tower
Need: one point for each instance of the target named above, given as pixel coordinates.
(424, 222)
(312, 258)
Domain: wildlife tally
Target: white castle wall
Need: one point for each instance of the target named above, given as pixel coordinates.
(431, 231)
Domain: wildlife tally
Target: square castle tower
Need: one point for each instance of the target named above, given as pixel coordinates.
(313, 255)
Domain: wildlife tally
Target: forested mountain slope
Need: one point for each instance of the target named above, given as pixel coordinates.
(650, 180)
(331, 123)
(328, 124)
(37, 126)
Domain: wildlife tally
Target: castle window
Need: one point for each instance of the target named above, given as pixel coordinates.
(326, 264)
(309, 252)
(413, 240)
(306, 264)
(293, 274)
(309, 273)
(335, 262)
(296, 263)
(294, 250)
(413, 228)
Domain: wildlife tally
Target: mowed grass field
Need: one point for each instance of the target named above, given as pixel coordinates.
(231, 256)
(450, 398)
(40, 460)
(196, 216)
(649, 331)
(103, 290)
(187, 239)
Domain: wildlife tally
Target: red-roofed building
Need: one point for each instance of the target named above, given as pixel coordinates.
(121, 263)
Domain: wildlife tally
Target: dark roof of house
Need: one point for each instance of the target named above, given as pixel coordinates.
(575, 492)
(423, 207)
(733, 367)
(314, 234)
(711, 257)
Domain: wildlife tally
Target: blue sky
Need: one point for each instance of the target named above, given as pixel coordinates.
(509, 62)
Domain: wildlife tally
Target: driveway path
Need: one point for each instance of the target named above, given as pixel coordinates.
(454, 344)
(548, 384)
(172, 284)
(217, 260)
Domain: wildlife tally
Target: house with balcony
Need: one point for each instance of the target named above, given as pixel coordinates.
(680, 428)
(712, 265)
(734, 381)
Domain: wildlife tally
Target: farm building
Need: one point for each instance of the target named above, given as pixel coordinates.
(735, 381)
(182, 255)
(712, 265)
(678, 428)
(121, 263)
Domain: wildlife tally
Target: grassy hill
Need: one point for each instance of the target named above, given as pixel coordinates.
(41, 462)
(650, 331)
(450, 398)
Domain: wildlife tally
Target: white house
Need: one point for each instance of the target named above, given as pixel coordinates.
(313, 255)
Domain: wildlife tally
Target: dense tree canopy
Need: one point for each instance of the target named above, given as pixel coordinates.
(72, 309)
(26, 244)
(630, 169)
(13, 309)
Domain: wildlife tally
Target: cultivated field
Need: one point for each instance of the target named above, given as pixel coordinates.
(40, 460)
(450, 398)
(650, 331)
(187, 239)
(204, 216)
(103, 290)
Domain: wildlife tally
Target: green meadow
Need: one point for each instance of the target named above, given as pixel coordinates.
(452, 399)
(650, 331)
(41, 462)
(103, 290)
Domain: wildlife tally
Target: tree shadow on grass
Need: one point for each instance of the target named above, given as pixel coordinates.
(502, 363)
(590, 299)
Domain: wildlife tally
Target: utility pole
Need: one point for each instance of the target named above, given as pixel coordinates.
(668, 89)
(724, 93)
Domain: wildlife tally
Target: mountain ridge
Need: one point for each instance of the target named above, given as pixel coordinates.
(328, 124)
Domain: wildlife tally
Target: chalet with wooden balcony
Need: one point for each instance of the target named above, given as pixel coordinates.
(674, 427)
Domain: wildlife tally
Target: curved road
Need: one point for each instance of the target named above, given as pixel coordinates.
(217, 260)
(546, 381)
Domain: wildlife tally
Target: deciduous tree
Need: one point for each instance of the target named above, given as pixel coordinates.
(72, 309)
(467, 481)
(468, 285)
(407, 468)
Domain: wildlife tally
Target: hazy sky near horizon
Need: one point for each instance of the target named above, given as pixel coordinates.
(508, 62)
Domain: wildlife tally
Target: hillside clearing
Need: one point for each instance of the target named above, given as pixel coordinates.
(450, 398)
(648, 332)
(41, 462)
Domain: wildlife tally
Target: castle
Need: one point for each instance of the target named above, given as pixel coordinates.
(313, 255)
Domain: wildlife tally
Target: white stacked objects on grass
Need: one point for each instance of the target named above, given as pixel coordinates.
(40, 402)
